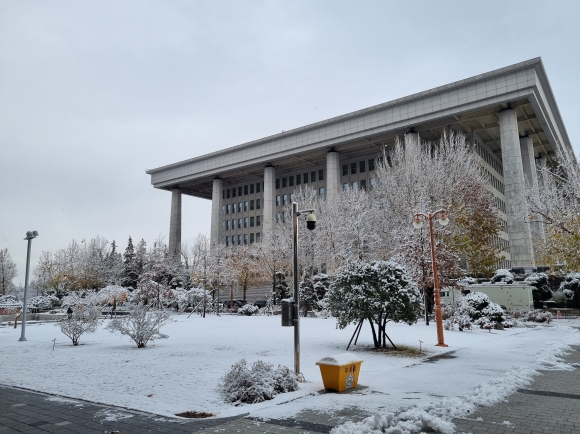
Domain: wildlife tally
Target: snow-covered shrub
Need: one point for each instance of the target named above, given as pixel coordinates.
(537, 316)
(256, 384)
(539, 281)
(8, 299)
(447, 310)
(467, 281)
(190, 297)
(570, 287)
(10, 304)
(559, 297)
(475, 308)
(141, 325)
(378, 291)
(502, 276)
(494, 313)
(77, 298)
(42, 302)
(474, 303)
(112, 294)
(248, 310)
(84, 319)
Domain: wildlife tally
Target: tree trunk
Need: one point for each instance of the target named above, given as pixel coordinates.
(375, 341)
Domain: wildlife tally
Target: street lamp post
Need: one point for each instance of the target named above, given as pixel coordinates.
(418, 223)
(29, 236)
(310, 224)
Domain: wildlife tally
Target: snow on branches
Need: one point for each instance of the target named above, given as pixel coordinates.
(554, 209)
(83, 319)
(377, 291)
(256, 384)
(142, 324)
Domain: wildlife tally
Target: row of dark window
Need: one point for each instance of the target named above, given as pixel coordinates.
(361, 167)
(242, 239)
(484, 153)
(496, 183)
(246, 222)
(305, 178)
(285, 199)
(239, 191)
(503, 245)
(500, 204)
(242, 206)
(363, 185)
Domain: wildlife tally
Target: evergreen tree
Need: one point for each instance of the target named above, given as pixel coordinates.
(280, 285)
(131, 276)
(377, 291)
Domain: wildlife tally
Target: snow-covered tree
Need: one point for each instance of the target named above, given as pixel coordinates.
(7, 272)
(539, 281)
(281, 287)
(555, 202)
(377, 291)
(114, 266)
(42, 302)
(142, 325)
(131, 274)
(418, 176)
(10, 304)
(571, 288)
(275, 255)
(502, 276)
(83, 319)
(313, 291)
(246, 267)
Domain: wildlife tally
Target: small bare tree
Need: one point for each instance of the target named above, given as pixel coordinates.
(141, 325)
(83, 319)
(7, 272)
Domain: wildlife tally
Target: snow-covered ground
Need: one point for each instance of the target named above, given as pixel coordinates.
(181, 373)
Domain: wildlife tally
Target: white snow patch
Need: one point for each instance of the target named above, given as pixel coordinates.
(437, 416)
(181, 373)
(64, 400)
(113, 415)
(340, 359)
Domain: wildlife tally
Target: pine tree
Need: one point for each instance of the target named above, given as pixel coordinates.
(377, 291)
(131, 275)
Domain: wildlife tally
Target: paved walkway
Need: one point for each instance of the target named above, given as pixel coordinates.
(551, 404)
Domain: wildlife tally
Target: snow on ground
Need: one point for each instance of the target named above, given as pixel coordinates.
(181, 373)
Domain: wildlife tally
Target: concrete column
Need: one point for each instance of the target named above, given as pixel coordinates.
(269, 205)
(521, 249)
(216, 211)
(332, 175)
(175, 223)
(412, 137)
(529, 164)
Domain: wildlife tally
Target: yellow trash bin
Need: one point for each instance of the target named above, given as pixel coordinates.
(340, 372)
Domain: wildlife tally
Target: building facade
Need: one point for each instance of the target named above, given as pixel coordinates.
(510, 116)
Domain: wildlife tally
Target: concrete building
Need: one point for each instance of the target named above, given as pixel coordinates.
(510, 115)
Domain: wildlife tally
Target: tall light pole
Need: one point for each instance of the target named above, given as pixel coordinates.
(310, 224)
(418, 223)
(29, 236)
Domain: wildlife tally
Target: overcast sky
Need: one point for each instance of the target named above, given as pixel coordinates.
(93, 93)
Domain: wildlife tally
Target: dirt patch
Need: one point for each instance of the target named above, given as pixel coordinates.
(401, 351)
(194, 414)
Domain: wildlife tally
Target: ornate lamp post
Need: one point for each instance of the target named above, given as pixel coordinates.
(418, 223)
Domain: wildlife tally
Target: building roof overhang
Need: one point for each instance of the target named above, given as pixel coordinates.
(470, 105)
